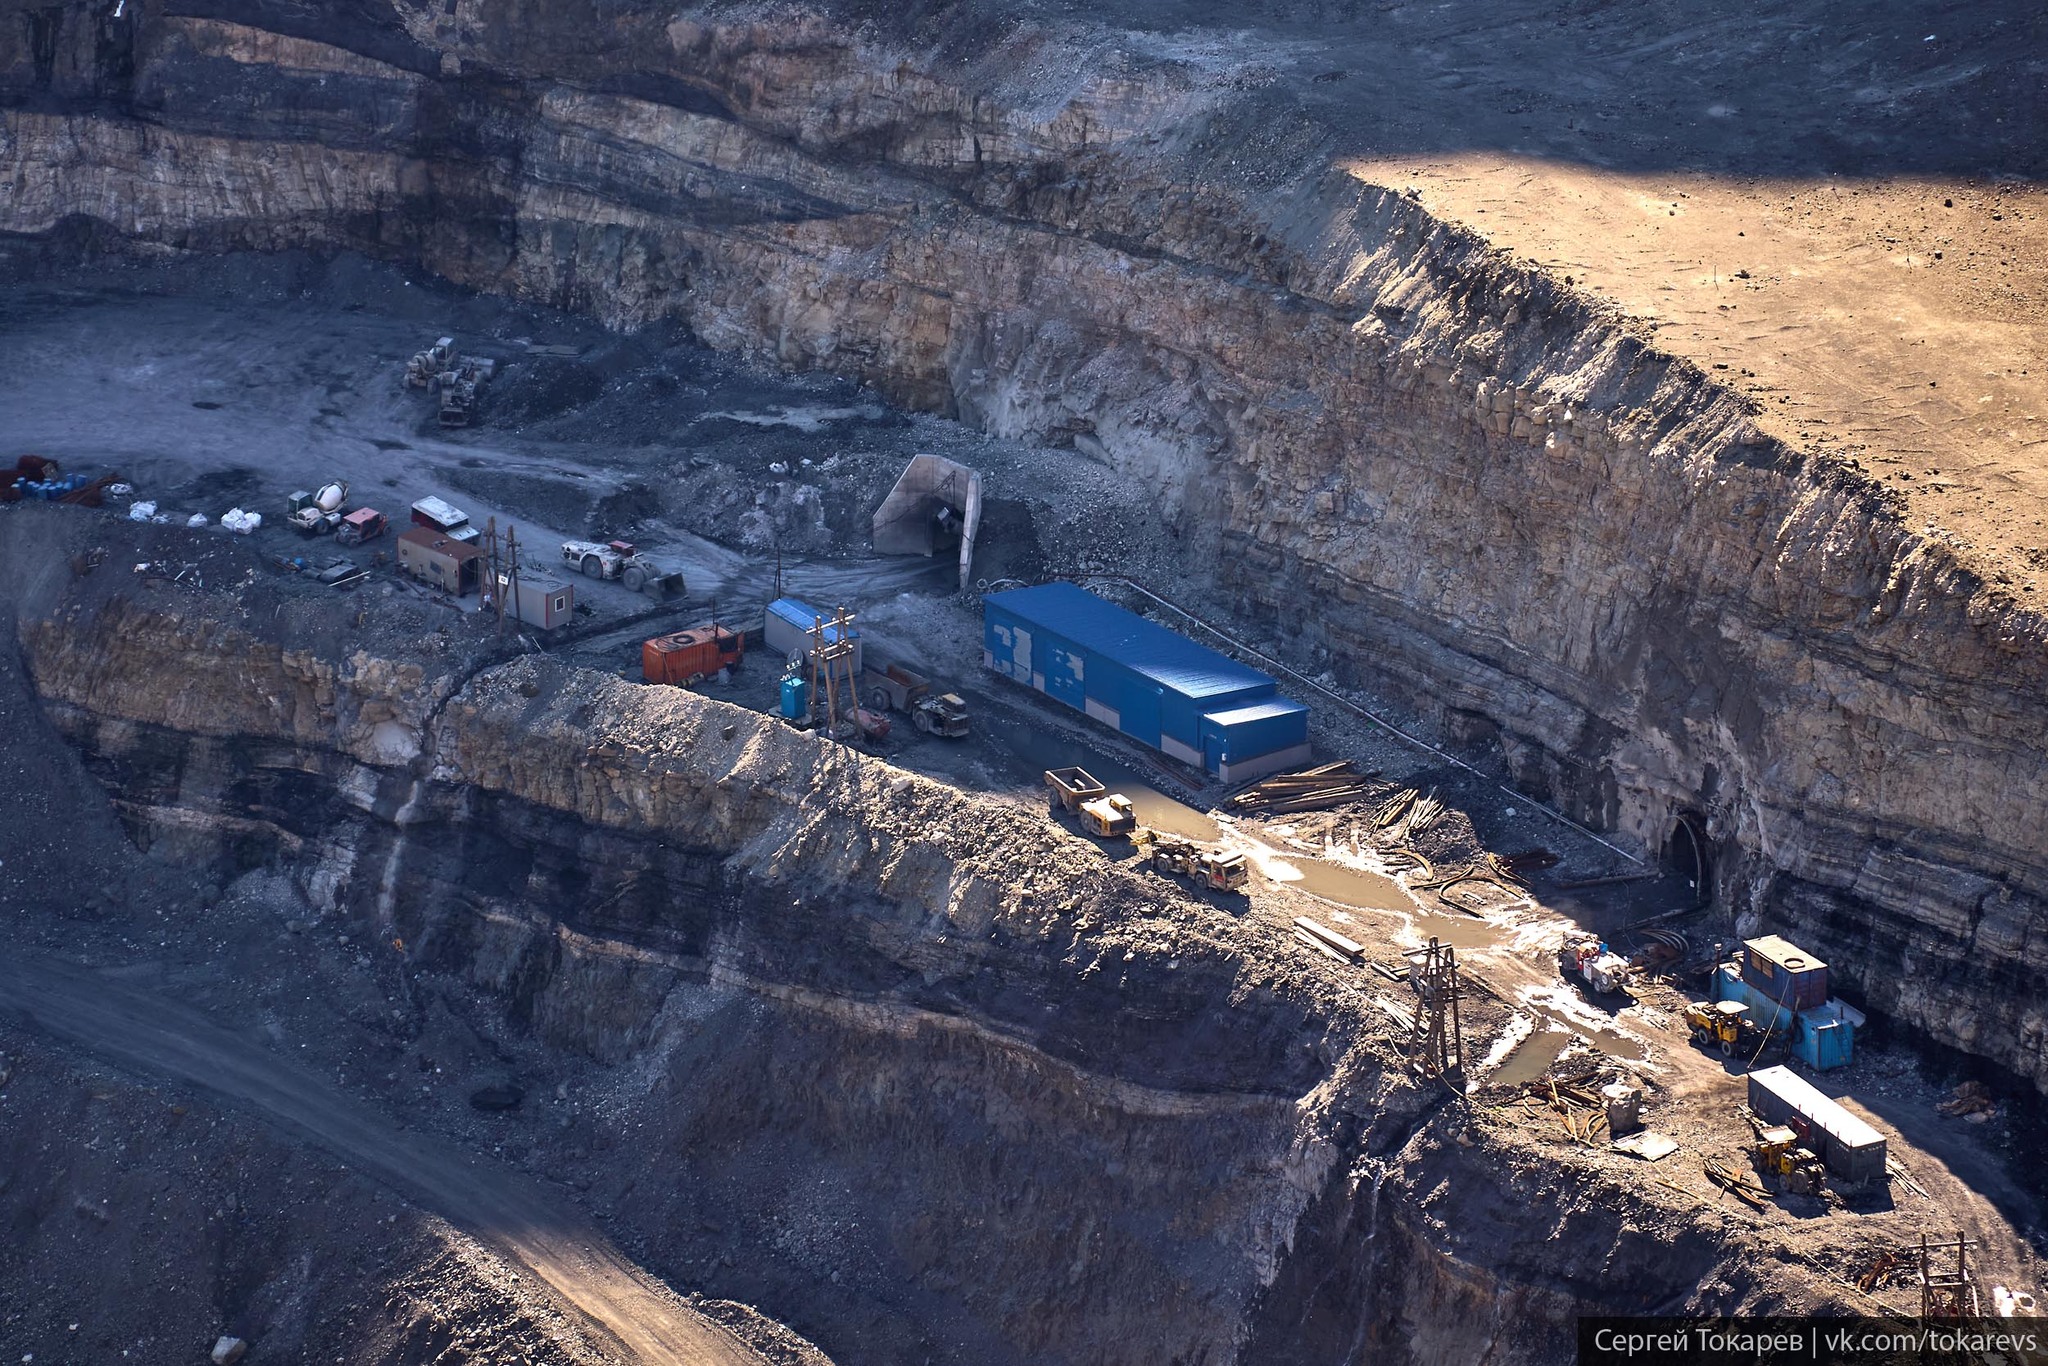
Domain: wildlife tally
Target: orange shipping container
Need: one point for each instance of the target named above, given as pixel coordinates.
(689, 656)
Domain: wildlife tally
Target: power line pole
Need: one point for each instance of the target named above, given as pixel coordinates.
(512, 577)
(492, 568)
(832, 647)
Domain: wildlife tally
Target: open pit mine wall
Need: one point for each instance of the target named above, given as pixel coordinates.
(1079, 1116)
(1437, 474)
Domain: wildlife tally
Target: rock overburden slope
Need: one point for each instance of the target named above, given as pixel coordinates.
(958, 1086)
(1439, 473)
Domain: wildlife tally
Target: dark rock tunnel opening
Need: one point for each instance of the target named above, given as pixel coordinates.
(1687, 855)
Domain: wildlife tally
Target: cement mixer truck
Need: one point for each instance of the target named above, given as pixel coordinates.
(317, 514)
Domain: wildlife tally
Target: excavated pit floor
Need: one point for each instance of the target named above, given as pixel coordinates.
(305, 389)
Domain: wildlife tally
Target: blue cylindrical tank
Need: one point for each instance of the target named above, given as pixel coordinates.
(796, 697)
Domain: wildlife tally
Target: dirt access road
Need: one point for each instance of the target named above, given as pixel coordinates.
(203, 404)
(500, 1208)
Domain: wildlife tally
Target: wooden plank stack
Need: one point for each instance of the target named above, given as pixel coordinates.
(1314, 789)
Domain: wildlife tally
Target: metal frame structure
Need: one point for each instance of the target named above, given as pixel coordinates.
(1438, 1038)
(1948, 1294)
(829, 651)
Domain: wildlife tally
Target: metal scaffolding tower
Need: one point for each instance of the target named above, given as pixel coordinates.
(1438, 1038)
(1946, 1293)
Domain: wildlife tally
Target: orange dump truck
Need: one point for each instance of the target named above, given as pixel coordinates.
(691, 656)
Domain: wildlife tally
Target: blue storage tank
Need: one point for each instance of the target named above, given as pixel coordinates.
(1201, 707)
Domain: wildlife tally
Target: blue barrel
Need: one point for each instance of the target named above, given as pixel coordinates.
(795, 698)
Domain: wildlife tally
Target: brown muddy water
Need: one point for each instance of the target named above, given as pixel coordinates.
(1036, 750)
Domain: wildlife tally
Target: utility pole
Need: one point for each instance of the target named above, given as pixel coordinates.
(491, 567)
(511, 590)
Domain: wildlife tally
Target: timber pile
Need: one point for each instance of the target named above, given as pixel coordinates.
(1579, 1108)
(1735, 1182)
(1327, 941)
(1394, 808)
(1314, 789)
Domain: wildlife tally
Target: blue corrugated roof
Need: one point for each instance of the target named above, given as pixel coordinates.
(1257, 711)
(1102, 627)
(802, 615)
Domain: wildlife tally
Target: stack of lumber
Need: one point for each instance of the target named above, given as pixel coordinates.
(1314, 789)
(1327, 941)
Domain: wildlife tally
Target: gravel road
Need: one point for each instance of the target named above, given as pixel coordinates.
(500, 1208)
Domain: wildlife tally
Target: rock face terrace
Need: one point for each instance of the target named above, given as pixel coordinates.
(1647, 401)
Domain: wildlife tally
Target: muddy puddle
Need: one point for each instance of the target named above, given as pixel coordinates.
(1378, 892)
(1037, 750)
(1530, 1058)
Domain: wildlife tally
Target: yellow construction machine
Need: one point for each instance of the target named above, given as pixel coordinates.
(1778, 1155)
(1211, 868)
(1108, 817)
(1721, 1025)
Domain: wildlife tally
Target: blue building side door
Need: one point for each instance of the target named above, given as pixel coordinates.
(1215, 747)
(1066, 676)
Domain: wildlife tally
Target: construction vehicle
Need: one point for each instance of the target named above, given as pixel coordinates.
(1590, 961)
(456, 378)
(896, 687)
(687, 658)
(1784, 1159)
(428, 365)
(319, 513)
(1102, 813)
(623, 561)
(458, 398)
(1106, 818)
(364, 524)
(1721, 1025)
(1067, 788)
(1211, 868)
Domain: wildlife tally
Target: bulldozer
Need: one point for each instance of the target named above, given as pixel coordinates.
(1795, 1170)
(1211, 868)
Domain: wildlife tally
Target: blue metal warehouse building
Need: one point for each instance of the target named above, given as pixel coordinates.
(1153, 685)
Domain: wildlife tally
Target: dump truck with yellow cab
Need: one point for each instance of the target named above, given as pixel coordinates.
(1102, 813)
(1211, 868)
